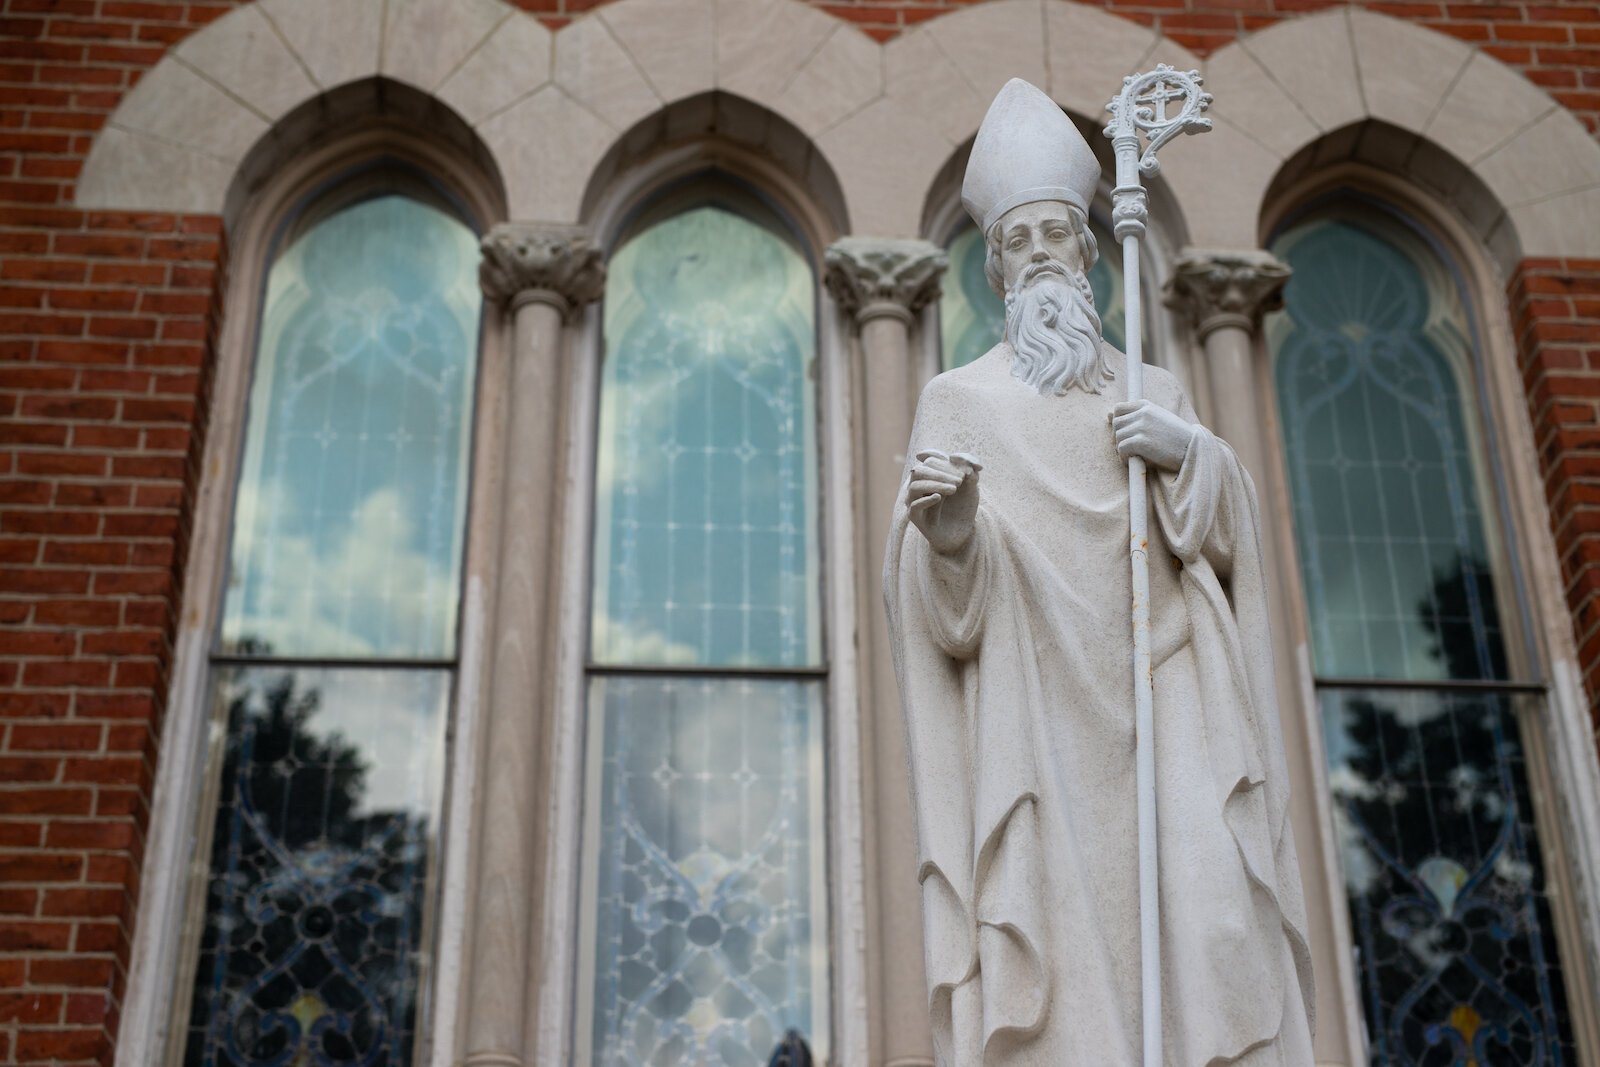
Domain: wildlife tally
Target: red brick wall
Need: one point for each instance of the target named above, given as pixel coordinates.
(1555, 306)
(107, 325)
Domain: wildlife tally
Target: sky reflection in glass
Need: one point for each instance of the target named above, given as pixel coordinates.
(706, 531)
(972, 319)
(348, 522)
(711, 920)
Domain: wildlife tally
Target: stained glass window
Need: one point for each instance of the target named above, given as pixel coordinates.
(972, 319)
(708, 927)
(347, 544)
(1448, 894)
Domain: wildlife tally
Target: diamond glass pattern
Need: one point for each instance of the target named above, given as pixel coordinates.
(319, 860)
(1454, 938)
(710, 926)
(706, 531)
(1440, 855)
(972, 319)
(347, 527)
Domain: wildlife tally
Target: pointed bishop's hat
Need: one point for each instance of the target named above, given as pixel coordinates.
(1027, 150)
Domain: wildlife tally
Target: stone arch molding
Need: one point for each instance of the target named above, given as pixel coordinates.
(1317, 78)
(549, 106)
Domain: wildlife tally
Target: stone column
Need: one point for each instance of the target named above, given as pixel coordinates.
(541, 275)
(1223, 294)
(882, 284)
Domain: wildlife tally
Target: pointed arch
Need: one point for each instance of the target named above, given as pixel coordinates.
(1305, 83)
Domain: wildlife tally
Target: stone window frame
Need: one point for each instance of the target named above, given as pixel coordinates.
(1539, 629)
(172, 893)
(641, 182)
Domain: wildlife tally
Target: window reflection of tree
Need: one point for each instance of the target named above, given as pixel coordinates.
(315, 904)
(1441, 865)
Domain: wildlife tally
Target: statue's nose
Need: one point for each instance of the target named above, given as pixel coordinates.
(1039, 252)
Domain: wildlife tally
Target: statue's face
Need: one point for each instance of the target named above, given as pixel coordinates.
(1037, 233)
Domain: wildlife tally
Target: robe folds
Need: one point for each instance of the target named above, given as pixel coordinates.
(1015, 665)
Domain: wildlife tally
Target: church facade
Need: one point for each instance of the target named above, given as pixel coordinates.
(449, 448)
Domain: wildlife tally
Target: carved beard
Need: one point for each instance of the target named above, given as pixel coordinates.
(1054, 331)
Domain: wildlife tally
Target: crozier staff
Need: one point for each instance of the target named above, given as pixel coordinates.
(1008, 585)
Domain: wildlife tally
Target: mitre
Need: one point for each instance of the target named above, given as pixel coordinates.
(1027, 150)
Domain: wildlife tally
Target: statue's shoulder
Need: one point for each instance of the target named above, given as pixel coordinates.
(970, 383)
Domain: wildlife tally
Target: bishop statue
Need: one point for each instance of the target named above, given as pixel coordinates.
(1008, 589)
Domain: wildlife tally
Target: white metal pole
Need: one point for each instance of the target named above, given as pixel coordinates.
(1141, 109)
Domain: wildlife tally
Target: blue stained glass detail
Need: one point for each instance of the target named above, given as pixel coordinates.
(710, 944)
(1445, 881)
(706, 532)
(351, 499)
(972, 319)
(330, 791)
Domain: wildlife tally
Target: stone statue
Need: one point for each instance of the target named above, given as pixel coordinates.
(1008, 590)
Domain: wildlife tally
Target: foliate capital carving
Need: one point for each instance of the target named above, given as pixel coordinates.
(560, 265)
(1217, 289)
(872, 276)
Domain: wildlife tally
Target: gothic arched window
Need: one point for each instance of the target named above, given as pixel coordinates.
(706, 918)
(334, 658)
(1422, 683)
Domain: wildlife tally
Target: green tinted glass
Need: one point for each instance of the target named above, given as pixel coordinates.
(1373, 363)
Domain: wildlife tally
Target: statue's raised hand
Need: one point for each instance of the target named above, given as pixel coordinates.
(943, 497)
(1145, 429)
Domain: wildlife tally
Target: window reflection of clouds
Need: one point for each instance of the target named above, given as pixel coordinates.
(709, 923)
(349, 517)
(706, 533)
(711, 926)
(348, 521)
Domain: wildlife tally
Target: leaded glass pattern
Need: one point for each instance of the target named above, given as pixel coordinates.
(347, 541)
(1370, 351)
(711, 907)
(348, 519)
(705, 858)
(1441, 860)
(314, 903)
(1454, 936)
(706, 546)
(972, 319)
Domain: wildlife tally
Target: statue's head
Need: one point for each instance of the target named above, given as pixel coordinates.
(1028, 186)
(1038, 237)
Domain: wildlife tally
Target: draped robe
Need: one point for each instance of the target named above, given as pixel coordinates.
(1015, 663)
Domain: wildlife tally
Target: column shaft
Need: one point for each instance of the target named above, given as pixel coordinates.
(1224, 295)
(507, 826)
(541, 273)
(882, 284)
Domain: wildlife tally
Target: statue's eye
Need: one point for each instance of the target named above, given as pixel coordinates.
(1058, 235)
(1017, 244)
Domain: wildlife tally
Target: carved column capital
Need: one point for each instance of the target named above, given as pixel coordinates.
(542, 262)
(1226, 288)
(873, 276)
